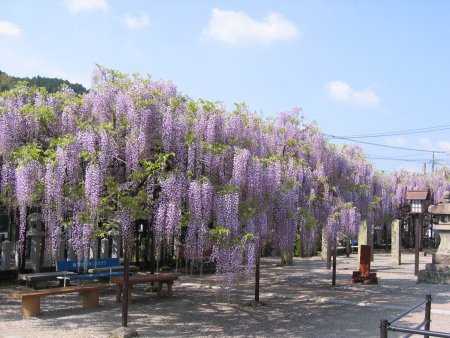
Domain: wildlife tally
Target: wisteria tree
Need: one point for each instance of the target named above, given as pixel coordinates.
(211, 185)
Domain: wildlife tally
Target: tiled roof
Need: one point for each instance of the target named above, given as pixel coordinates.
(416, 195)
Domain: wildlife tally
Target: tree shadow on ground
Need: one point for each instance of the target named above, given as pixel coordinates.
(300, 302)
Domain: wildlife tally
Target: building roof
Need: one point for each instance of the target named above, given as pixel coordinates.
(417, 195)
(439, 209)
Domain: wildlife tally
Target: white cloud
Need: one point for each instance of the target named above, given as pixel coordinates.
(444, 146)
(342, 92)
(236, 27)
(425, 143)
(396, 141)
(77, 6)
(136, 22)
(429, 144)
(9, 29)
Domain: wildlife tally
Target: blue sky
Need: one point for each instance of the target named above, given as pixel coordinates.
(355, 67)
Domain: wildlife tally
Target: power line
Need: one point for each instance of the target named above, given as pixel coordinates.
(402, 159)
(403, 132)
(384, 145)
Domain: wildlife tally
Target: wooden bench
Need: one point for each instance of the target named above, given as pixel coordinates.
(159, 279)
(31, 300)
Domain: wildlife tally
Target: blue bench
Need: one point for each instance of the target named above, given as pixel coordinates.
(84, 266)
(92, 269)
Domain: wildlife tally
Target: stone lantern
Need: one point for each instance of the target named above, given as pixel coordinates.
(418, 201)
(439, 270)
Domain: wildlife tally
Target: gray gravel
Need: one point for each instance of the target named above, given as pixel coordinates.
(299, 302)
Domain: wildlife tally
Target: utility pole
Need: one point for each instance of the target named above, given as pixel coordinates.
(424, 168)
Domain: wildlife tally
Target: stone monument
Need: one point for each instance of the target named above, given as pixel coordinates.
(104, 248)
(115, 247)
(438, 272)
(93, 252)
(396, 243)
(326, 249)
(7, 249)
(36, 236)
(365, 237)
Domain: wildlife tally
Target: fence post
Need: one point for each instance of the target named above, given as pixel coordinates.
(427, 314)
(384, 324)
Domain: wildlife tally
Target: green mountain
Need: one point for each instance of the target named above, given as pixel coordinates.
(51, 84)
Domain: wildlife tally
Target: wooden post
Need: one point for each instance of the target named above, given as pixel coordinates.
(417, 229)
(371, 229)
(333, 279)
(90, 298)
(31, 306)
(384, 324)
(427, 314)
(126, 268)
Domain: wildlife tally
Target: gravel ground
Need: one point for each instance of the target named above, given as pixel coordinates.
(299, 302)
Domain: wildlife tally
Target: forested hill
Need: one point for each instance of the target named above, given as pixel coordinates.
(51, 84)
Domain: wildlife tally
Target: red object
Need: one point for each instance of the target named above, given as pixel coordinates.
(364, 275)
(364, 261)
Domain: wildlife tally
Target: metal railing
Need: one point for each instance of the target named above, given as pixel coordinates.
(386, 325)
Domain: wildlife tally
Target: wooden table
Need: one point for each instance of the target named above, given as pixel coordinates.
(159, 279)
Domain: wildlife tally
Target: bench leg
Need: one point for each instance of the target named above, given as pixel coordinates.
(90, 299)
(159, 288)
(31, 306)
(169, 288)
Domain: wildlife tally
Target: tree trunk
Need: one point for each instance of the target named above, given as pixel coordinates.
(348, 247)
(138, 249)
(22, 256)
(287, 258)
(146, 246)
(152, 253)
(43, 250)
